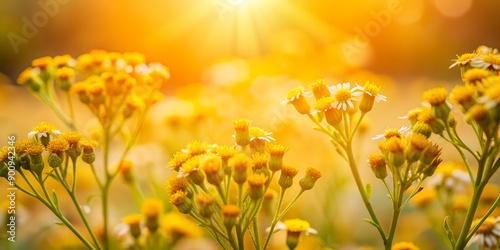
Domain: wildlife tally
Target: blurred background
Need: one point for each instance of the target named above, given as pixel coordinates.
(238, 58)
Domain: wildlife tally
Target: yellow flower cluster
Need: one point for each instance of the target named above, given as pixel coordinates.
(410, 157)
(113, 85)
(46, 138)
(224, 187)
(152, 228)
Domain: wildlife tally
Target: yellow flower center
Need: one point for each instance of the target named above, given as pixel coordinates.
(491, 58)
(294, 93)
(257, 180)
(435, 96)
(289, 170)
(466, 57)
(58, 145)
(343, 95)
(324, 103)
(296, 225)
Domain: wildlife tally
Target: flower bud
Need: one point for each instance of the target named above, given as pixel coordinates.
(205, 204)
(242, 135)
(309, 179)
(180, 200)
(287, 173)
(134, 223)
(378, 165)
(55, 160)
(230, 215)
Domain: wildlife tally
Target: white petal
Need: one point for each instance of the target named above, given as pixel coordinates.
(32, 134)
(57, 132)
(279, 226)
(311, 231)
(44, 134)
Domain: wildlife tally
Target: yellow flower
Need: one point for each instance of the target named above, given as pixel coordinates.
(491, 97)
(205, 202)
(151, 209)
(174, 184)
(378, 165)
(64, 61)
(44, 131)
(191, 170)
(256, 184)
(463, 59)
(333, 115)
(242, 135)
(196, 148)
(72, 137)
(125, 167)
(464, 95)
(424, 197)
(276, 152)
(404, 246)
(180, 200)
(475, 75)
(345, 96)
(42, 63)
(370, 94)
(230, 215)
(287, 173)
(312, 175)
(58, 145)
(487, 234)
(485, 61)
(134, 223)
(212, 166)
(320, 89)
(178, 226)
(391, 132)
(298, 99)
(294, 228)
(240, 164)
(177, 160)
(436, 97)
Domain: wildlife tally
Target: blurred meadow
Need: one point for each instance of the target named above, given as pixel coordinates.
(231, 59)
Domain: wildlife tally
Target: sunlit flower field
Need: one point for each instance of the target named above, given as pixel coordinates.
(249, 124)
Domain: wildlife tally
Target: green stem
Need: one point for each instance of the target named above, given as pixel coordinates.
(275, 219)
(395, 218)
(362, 191)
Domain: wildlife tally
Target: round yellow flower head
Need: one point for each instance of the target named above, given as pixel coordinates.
(212, 166)
(196, 148)
(319, 89)
(181, 201)
(295, 228)
(256, 184)
(312, 175)
(43, 132)
(378, 165)
(424, 198)
(240, 164)
(177, 226)
(175, 183)
(475, 75)
(151, 209)
(134, 223)
(205, 202)
(177, 160)
(298, 100)
(287, 173)
(276, 152)
(230, 215)
(242, 135)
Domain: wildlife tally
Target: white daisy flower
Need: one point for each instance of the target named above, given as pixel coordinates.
(344, 95)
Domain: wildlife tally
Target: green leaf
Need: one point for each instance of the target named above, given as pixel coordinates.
(55, 200)
(368, 190)
(373, 223)
(60, 223)
(449, 232)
